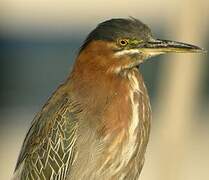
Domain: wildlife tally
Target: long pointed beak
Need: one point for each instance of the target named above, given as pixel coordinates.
(158, 46)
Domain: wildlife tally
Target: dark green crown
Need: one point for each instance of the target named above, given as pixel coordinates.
(113, 29)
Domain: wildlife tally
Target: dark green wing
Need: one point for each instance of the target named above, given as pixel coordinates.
(48, 151)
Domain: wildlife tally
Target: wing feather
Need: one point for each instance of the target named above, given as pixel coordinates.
(48, 150)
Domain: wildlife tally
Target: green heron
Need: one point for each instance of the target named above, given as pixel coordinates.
(96, 125)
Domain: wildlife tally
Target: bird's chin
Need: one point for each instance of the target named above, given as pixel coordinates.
(138, 59)
(142, 57)
(133, 64)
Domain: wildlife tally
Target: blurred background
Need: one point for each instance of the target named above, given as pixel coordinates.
(39, 40)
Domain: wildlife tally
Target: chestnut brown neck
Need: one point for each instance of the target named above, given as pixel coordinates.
(101, 90)
(94, 70)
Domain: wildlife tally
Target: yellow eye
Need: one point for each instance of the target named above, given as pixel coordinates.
(123, 42)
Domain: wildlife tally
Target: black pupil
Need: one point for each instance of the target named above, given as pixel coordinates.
(123, 42)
